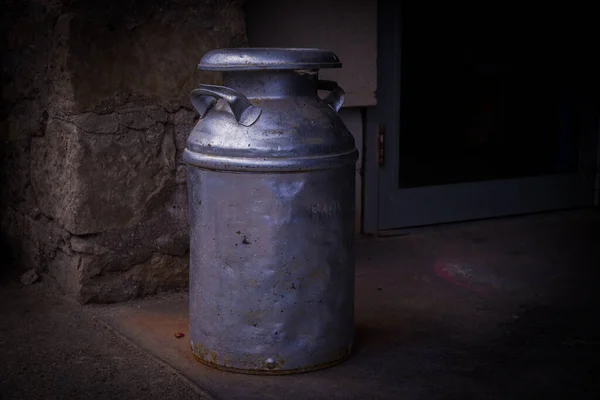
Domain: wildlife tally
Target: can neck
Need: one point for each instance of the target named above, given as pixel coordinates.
(270, 84)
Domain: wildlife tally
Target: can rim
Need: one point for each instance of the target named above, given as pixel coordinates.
(271, 58)
(271, 164)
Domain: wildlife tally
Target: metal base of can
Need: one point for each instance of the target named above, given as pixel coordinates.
(273, 372)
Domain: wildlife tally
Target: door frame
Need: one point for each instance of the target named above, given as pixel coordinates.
(381, 203)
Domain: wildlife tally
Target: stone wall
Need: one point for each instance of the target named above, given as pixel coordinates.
(95, 114)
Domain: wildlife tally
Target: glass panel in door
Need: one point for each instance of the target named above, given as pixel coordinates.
(484, 94)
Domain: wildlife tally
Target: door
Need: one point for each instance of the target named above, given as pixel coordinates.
(485, 111)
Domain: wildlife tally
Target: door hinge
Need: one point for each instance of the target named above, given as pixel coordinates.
(381, 142)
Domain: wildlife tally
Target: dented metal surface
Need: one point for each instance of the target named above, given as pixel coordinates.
(272, 228)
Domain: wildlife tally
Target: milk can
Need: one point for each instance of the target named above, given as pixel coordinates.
(271, 195)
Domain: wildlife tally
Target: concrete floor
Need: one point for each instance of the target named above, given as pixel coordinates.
(500, 309)
(52, 348)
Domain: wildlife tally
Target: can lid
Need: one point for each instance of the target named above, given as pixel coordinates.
(255, 58)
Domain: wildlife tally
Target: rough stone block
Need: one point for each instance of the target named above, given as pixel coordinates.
(91, 182)
(158, 272)
(138, 52)
(94, 117)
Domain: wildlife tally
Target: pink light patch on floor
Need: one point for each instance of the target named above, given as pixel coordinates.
(467, 276)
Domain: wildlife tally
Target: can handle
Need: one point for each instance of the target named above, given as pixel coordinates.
(335, 98)
(206, 96)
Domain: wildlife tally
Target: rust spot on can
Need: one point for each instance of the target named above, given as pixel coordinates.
(260, 368)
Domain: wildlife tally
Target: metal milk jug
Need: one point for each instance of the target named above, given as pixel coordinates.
(271, 171)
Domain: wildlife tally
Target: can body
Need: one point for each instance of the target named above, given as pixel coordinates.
(272, 269)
